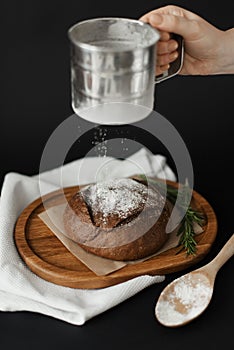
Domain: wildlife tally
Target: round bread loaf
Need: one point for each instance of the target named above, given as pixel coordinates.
(120, 219)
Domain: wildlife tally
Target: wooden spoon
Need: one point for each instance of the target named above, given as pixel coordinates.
(188, 296)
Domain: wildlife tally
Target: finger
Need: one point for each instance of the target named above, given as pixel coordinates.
(166, 46)
(166, 58)
(162, 69)
(171, 10)
(164, 36)
(175, 24)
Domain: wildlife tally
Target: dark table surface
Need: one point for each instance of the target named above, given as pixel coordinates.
(35, 99)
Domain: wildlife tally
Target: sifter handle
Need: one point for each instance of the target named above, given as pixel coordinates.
(176, 65)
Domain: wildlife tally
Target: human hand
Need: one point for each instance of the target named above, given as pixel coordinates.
(208, 50)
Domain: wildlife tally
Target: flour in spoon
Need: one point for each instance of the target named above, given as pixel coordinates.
(184, 299)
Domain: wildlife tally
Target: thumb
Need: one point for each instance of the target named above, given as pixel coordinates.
(188, 29)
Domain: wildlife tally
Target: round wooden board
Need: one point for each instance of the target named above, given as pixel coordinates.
(47, 257)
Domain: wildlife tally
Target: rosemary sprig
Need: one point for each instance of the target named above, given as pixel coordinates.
(192, 216)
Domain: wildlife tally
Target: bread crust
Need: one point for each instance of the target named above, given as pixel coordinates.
(137, 236)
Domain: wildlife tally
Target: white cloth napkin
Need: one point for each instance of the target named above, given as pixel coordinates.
(20, 289)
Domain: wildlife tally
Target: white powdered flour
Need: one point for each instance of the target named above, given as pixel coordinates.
(184, 299)
(120, 197)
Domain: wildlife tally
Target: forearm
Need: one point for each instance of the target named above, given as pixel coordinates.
(226, 62)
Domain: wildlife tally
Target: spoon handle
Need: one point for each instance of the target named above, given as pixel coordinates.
(225, 253)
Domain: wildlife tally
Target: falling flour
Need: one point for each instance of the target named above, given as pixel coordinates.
(100, 142)
(184, 299)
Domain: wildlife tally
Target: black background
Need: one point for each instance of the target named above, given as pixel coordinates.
(35, 99)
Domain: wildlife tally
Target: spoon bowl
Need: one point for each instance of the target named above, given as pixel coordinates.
(188, 296)
(184, 299)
